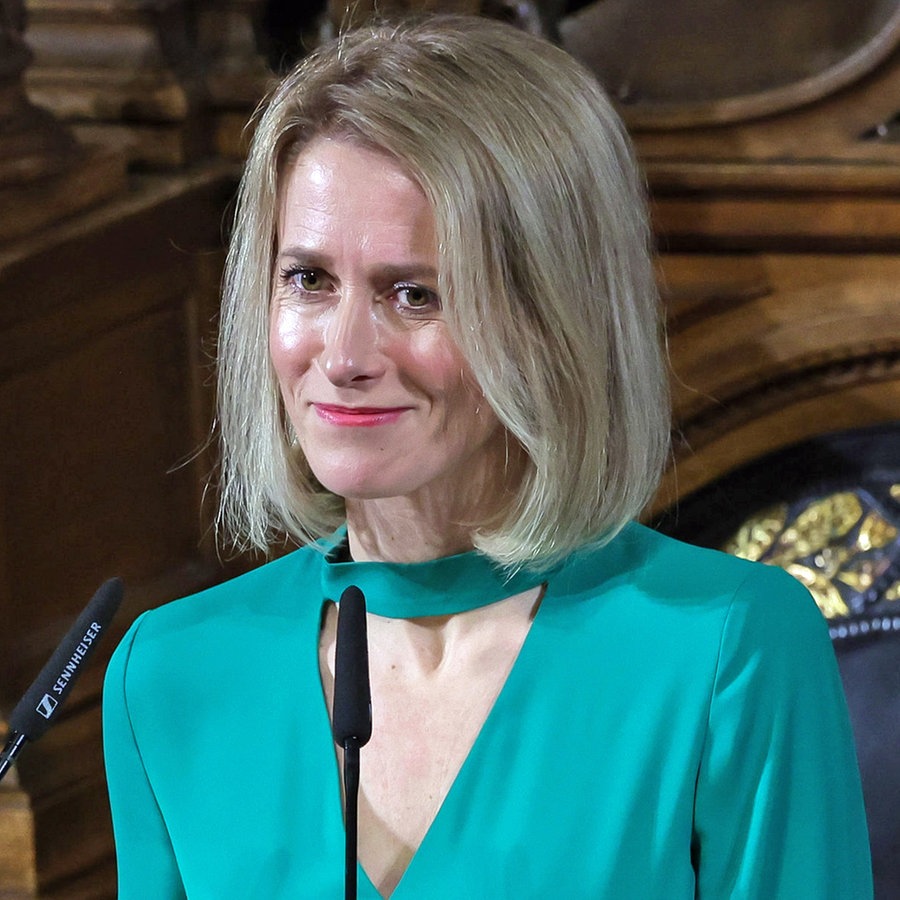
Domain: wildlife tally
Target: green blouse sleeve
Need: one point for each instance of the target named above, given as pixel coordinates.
(146, 862)
(779, 811)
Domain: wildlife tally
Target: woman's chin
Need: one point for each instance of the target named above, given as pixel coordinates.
(363, 485)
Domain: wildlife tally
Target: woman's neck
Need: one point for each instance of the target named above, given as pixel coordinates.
(397, 530)
(438, 520)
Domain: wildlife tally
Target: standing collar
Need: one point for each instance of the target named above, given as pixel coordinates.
(437, 587)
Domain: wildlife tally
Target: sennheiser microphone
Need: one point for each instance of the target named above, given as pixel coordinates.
(351, 713)
(38, 708)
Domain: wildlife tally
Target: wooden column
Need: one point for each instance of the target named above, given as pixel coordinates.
(45, 175)
(121, 71)
(235, 73)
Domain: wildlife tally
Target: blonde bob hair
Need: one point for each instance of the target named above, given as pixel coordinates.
(545, 270)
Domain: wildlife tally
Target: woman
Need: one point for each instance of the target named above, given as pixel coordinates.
(440, 373)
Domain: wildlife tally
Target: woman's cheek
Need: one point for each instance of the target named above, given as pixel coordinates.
(291, 340)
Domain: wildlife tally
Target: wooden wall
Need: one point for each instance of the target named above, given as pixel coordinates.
(780, 264)
(117, 164)
(104, 338)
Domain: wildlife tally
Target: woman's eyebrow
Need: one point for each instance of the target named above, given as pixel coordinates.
(399, 272)
(308, 256)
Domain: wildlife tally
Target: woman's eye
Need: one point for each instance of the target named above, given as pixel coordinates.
(414, 296)
(308, 280)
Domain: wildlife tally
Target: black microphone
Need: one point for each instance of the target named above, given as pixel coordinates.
(351, 713)
(39, 706)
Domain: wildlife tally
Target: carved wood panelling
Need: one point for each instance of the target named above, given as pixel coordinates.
(122, 71)
(823, 175)
(676, 64)
(104, 403)
(780, 268)
(769, 349)
(45, 174)
(170, 81)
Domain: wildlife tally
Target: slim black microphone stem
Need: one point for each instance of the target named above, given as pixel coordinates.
(351, 792)
(9, 753)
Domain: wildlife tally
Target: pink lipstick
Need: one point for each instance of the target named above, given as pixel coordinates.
(358, 416)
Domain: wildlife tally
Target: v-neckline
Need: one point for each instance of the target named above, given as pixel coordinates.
(473, 752)
(508, 689)
(437, 587)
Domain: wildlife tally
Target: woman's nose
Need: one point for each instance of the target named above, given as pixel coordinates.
(351, 347)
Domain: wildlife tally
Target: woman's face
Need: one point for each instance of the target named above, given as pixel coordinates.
(380, 396)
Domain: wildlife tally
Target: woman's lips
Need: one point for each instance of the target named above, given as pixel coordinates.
(358, 416)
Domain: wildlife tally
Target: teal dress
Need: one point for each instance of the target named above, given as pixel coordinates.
(673, 727)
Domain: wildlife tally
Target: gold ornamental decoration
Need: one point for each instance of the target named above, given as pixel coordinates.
(842, 546)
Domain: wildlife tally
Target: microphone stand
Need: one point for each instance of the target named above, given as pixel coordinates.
(14, 745)
(351, 803)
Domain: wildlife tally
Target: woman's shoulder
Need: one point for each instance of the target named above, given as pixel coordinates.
(277, 583)
(644, 555)
(673, 607)
(260, 600)
(646, 566)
